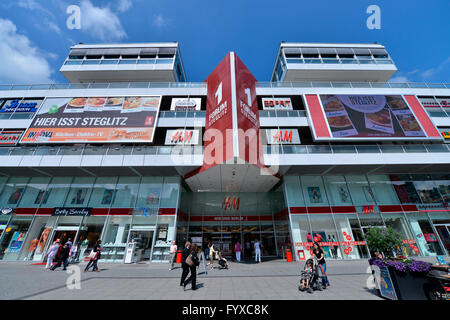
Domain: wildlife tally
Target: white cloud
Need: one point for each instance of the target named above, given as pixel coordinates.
(429, 73)
(124, 5)
(159, 21)
(21, 62)
(399, 79)
(100, 22)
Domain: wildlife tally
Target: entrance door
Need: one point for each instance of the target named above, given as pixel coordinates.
(144, 243)
(444, 233)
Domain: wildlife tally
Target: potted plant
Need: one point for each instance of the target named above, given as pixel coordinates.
(408, 276)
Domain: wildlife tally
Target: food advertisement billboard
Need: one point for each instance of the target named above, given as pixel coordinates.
(362, 117)
(95, 119)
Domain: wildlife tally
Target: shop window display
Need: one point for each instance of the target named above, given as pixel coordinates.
(35, 192)
(324, 231)
(115, 237)
(126, 192)
(406, 191)
(314, 191)
(428, 191)
(13, 191)
(337, 190)
(91, 230)
(360, 190)
(398, 222)
(424, 234)
(38, 238)
(293, 190)
(441, 222)
(103, 192)
(301, 236)
(57, 190)
(14, 237)
(382, 189)
(350, 237)
(80, 192)
(150, 192)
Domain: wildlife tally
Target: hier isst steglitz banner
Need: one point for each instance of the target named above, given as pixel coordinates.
(94, 119)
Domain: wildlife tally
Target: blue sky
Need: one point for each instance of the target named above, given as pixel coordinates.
(34, 39)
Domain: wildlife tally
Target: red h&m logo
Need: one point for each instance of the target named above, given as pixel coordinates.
(278, 137)
(368, 209)
(231, 203)
(178, 137)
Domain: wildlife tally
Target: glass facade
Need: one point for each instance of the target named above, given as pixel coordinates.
(339, 210)
(119, 206)
(335, 210)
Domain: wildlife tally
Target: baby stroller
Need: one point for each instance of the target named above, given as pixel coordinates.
(223, 263)
(310, 276)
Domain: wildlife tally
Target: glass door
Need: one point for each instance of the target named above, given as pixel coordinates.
(144, 243)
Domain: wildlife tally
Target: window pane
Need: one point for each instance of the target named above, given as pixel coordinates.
(103, 192)
(169, 195)
(35, 192)
(314, 191)
(293, 191)
(80, 192)
(337, 190)
(383, 189)
(150, 192)
(13, 191)
(126, 192)
(57, 191)
(359, 190)
(323, 231)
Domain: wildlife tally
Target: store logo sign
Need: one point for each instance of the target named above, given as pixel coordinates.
(231, 203)
(66, 211)
(368, 209)
(6, 211)
(146, 212)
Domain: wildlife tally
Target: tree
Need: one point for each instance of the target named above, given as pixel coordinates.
(383, 240)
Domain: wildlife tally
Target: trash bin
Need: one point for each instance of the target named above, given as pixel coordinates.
(179, 255)
(288, 255)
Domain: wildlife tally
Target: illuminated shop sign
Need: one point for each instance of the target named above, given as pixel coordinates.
(277, 103)
(181, 136)
(10, 137)
(186, 104)
(6, 211)
(231, 203)
(368, 209)
(282, 136)
(19, 105)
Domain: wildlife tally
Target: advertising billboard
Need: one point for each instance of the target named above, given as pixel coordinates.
(363, 117)
(94, 119)
(186, 104)
(277, 103)
(10, 137)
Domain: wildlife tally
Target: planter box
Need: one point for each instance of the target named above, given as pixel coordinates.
(409, 285)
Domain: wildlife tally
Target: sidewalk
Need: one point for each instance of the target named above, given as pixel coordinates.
(269, 280)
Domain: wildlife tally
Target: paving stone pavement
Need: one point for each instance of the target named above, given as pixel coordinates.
(246, 281)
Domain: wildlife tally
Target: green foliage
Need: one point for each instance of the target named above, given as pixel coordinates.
(383, 240)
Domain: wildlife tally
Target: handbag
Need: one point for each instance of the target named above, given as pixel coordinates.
(189, 261)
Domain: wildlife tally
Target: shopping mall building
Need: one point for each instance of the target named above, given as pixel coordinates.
(128, 150)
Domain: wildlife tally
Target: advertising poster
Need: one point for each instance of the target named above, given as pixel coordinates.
(16, 242)
(277, 103)
(314, 195)
(386, 287)
(366, 116)
(10, 137)
(95, 119)
(186, 104)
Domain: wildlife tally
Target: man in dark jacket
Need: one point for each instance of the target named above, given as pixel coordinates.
(184, 266)
(63, 257)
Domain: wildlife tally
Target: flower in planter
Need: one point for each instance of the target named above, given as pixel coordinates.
(419, 266)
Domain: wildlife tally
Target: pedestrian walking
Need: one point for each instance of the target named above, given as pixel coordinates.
(212, 253)
(69, 243)
(184, 266)
(238, 249)
(173, 254)
(63, 258)
(192, 262)
(51, 253)
(318, 253)
(94, 256)
(257, 251)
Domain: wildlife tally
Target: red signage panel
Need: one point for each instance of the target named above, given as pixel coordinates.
(317, 116)
(422, 116)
